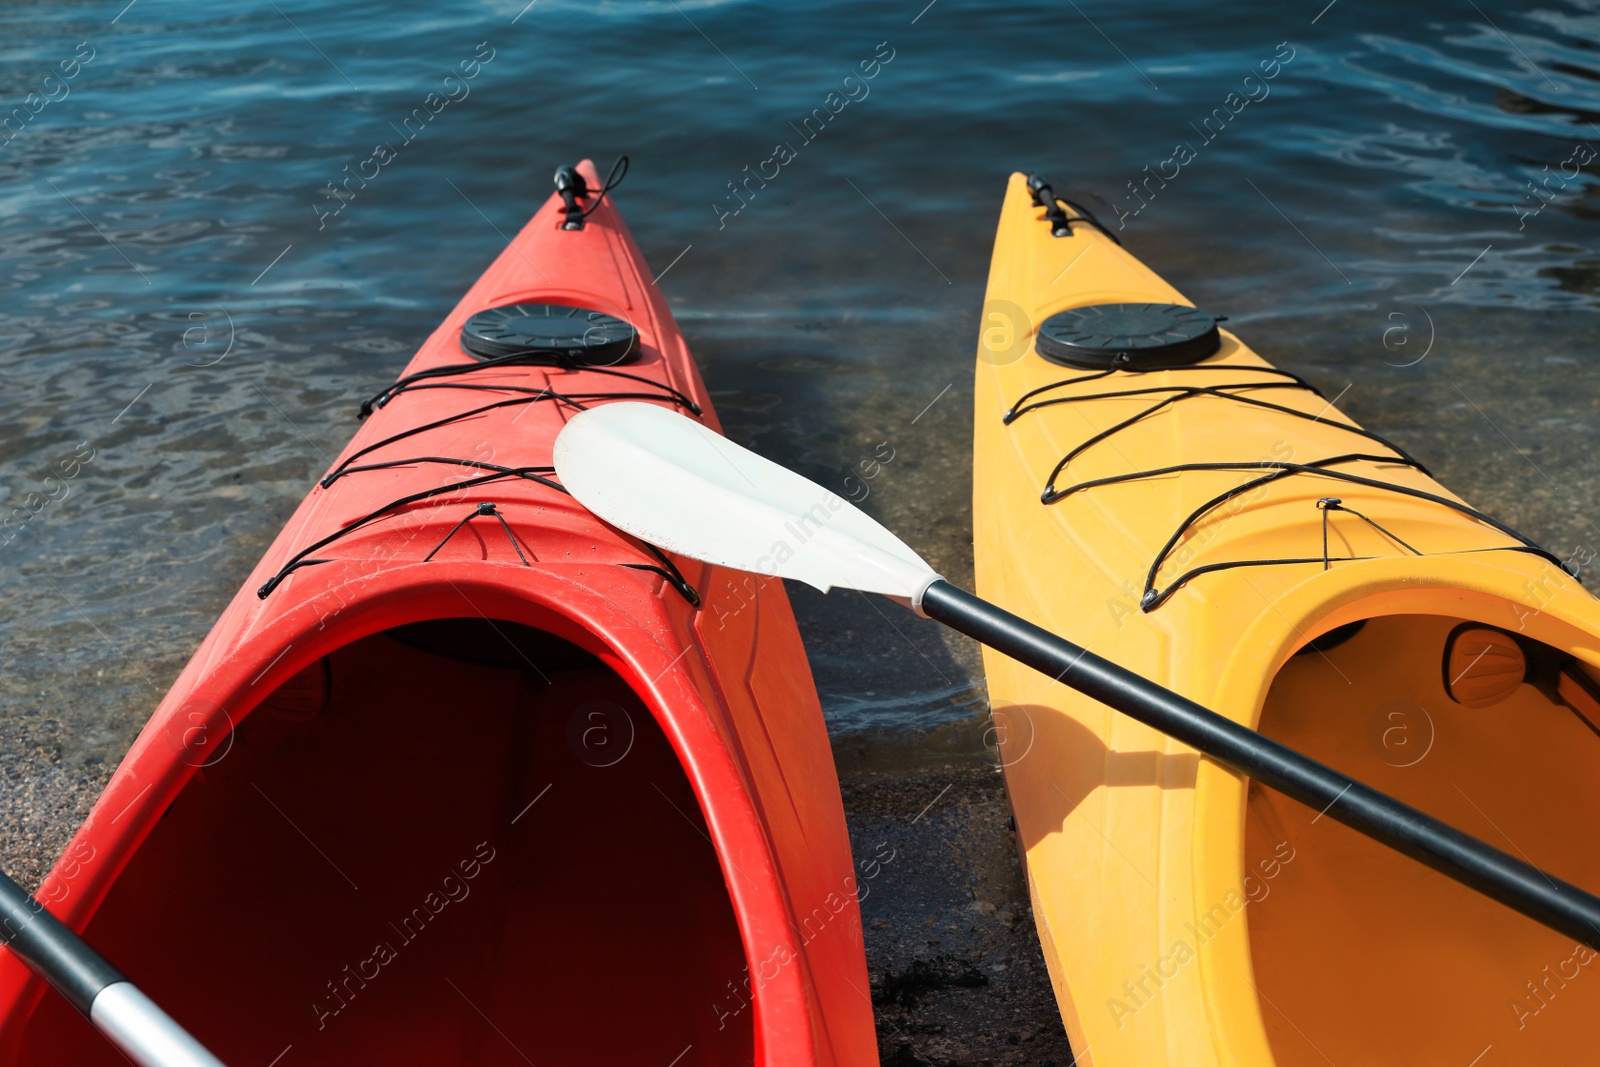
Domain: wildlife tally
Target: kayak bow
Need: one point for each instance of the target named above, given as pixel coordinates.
(463, 775)
(1148, 487)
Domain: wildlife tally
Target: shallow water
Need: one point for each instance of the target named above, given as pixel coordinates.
(186, 329)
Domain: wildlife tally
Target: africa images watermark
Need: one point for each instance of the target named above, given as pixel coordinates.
(452, 887)
(1255, 89)
(456, 90)
(784, 153)
(1581, 156)
(35, 502)
(34, 103)
(1541, 995)
(1142, 990)
(737, 586)
(740, 995)
(1205, 531)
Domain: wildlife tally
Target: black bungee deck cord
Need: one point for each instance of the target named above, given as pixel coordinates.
(1180, 393)
(484, 508)
(538, 396)
(572, 187)
(1060, 222)
(303, 557)
(538, 358)
(667, 570)
(1152, 597)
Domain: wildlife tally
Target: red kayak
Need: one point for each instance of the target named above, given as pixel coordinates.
(465, 776)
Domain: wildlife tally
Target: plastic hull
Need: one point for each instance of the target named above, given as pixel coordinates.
(1188, 917)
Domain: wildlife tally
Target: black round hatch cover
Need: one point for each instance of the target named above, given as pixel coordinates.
(1128, 335)
(581, 335)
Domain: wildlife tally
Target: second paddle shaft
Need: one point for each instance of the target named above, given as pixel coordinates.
(131, 1021)
(1557, 904)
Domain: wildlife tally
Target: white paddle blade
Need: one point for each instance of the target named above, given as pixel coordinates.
(665, 478)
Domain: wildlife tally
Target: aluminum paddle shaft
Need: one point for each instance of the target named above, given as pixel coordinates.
(1559, 905)
(129, 1020)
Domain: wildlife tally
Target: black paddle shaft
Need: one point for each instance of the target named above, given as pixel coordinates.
(1542, 897)
(51, 950)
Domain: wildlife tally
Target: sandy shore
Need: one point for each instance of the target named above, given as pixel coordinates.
(45, 796)
(958, 979)
(957, 976)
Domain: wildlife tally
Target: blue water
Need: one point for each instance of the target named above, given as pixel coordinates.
(185, 325)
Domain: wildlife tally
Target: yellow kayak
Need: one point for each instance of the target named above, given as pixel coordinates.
(1147, 486)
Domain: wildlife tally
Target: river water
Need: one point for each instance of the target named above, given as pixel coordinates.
(1402, 212)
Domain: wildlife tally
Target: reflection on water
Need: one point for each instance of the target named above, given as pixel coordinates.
(179, 301)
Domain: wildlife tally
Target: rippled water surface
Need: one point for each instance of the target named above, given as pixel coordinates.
(185, 329)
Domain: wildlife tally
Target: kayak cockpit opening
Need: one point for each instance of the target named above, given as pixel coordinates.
(460, 841)
(1363, 955)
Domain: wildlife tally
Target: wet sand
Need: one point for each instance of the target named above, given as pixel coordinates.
(952, 953)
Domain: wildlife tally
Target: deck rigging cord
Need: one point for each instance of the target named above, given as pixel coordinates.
(1152, 597)
(538, 355)
(303, 557)
(1060, 222)
(575, 400)
(667, 571)
(553, 358)
(572, 187)
(484, 508)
